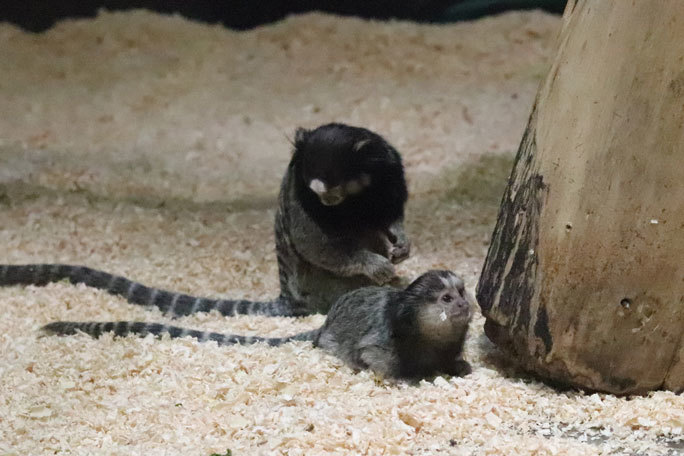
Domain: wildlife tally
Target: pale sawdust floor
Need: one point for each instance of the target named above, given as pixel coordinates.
(152, 147)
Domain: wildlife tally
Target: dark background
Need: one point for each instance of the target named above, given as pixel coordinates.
(39, 15)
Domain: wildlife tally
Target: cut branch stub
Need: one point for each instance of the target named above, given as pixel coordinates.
(584, 278)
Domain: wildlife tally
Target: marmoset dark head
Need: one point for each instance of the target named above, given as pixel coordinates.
(348, 177)
(434, 308)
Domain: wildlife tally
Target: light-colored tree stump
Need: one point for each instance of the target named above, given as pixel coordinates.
(584, 279)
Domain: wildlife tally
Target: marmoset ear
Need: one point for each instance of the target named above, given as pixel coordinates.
(300, 135)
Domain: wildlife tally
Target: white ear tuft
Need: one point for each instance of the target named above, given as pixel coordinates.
(445, 281)
(300, 134)
(360, 144)
(452, 281)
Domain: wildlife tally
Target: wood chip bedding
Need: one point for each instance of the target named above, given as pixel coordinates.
(152, 146)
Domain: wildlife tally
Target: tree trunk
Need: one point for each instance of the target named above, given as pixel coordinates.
(584, 278)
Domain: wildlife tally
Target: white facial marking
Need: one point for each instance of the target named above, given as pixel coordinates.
(445, 282)
(317, 186)
(452, 281)
(443, 316)
(360, 144)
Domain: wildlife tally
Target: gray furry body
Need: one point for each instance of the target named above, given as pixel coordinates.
(317, 266)
(338, 227)
(410, 333)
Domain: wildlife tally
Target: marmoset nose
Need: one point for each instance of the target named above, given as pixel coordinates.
(331, 199)
(461, 307)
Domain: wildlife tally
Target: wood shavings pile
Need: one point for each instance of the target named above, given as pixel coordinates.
(152, 147)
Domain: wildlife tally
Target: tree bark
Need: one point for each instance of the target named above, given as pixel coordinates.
(584, 278)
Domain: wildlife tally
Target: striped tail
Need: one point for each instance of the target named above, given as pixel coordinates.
(171, 303)
(124, 328)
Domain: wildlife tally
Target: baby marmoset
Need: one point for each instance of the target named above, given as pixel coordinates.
(412, 333)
